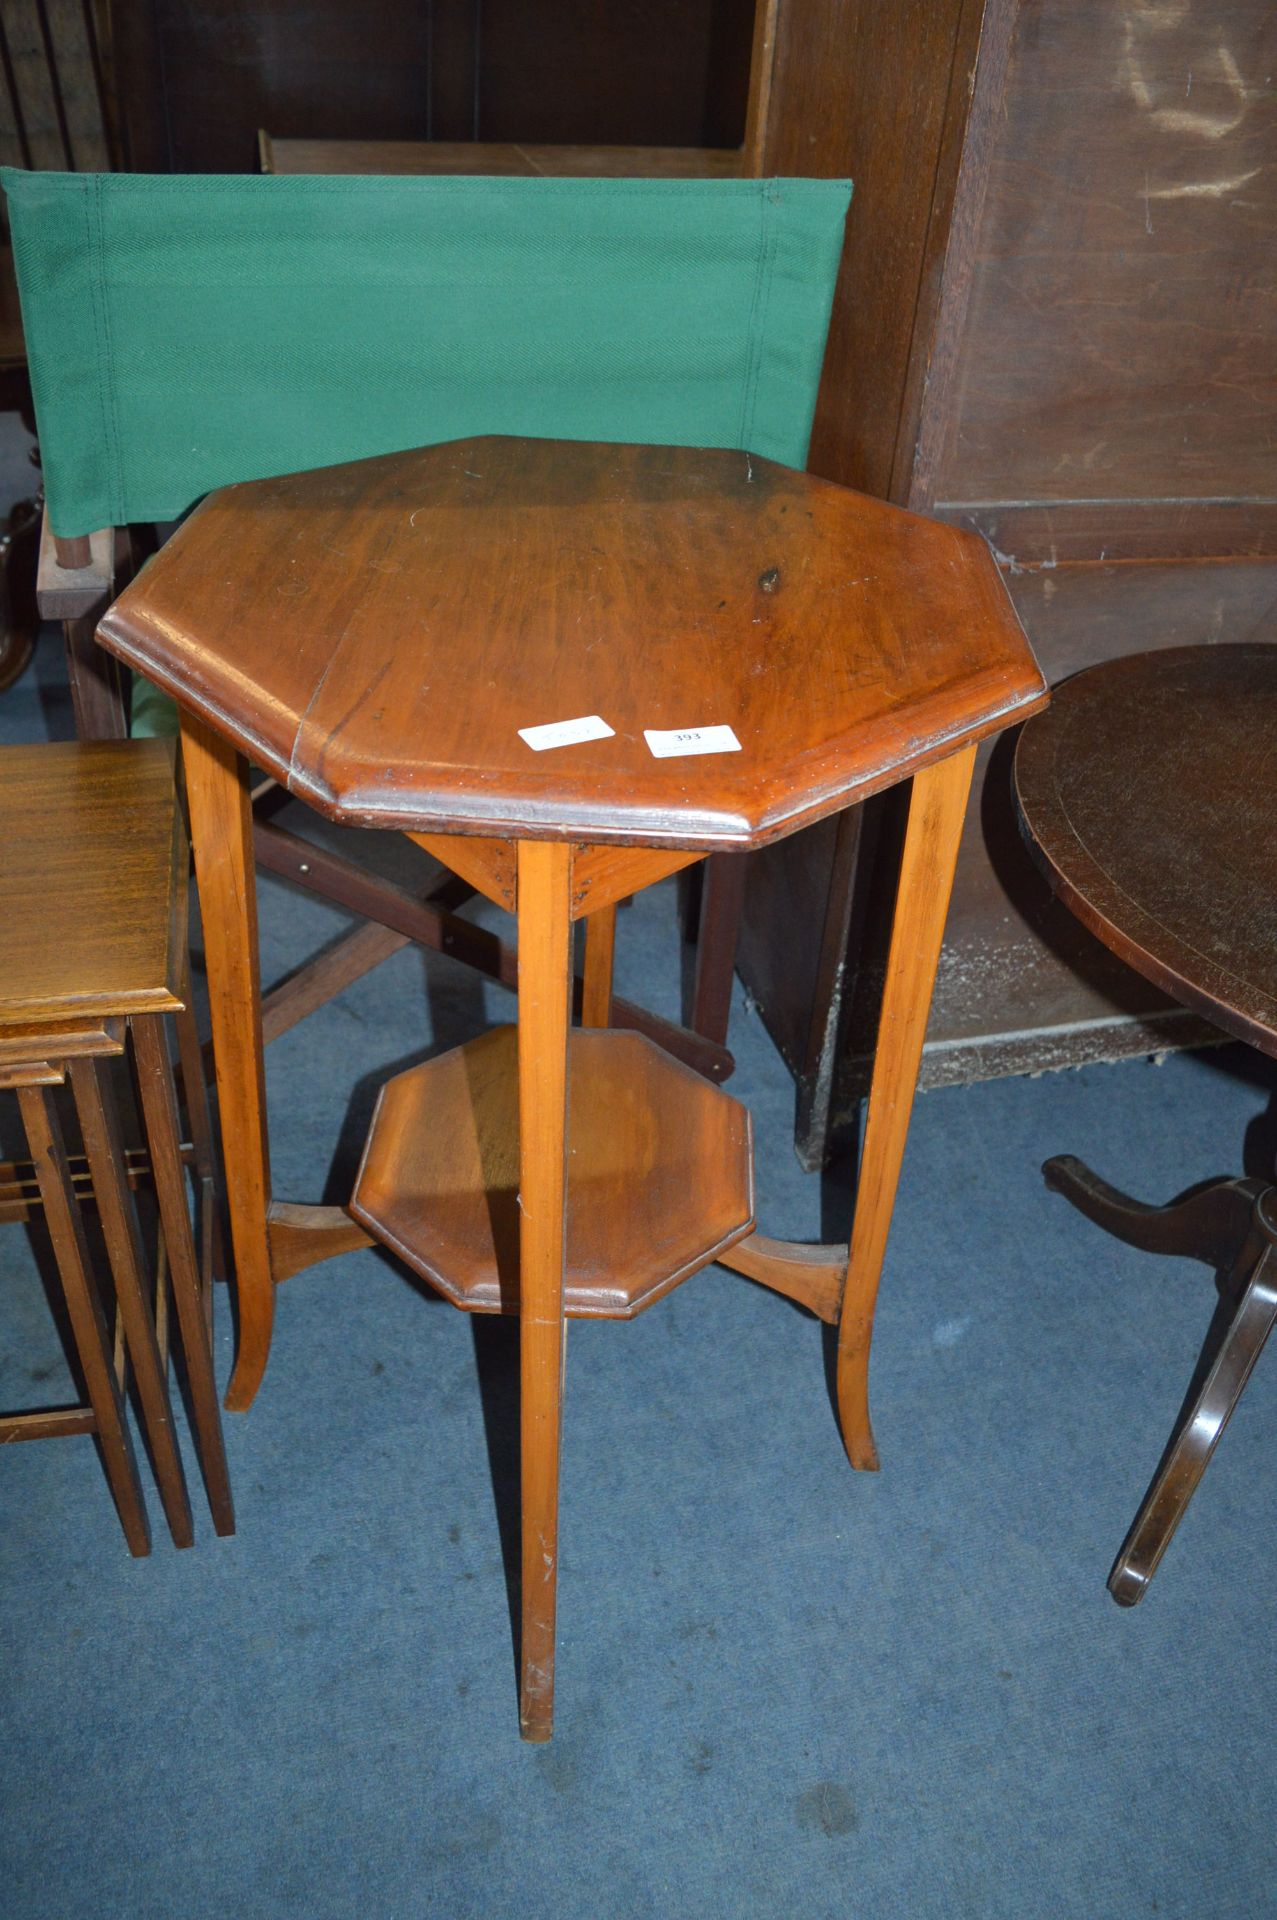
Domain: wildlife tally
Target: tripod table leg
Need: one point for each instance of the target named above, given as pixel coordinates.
(1197, 1434)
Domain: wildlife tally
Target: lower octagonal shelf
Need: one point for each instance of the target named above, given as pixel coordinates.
(660, 1173)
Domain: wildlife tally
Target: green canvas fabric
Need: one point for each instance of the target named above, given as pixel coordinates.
(185, 332)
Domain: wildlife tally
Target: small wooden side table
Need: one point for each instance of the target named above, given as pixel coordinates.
(93, 910)
(749, 650)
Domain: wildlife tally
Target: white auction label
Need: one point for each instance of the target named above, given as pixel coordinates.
(669, 743)
(566, 733)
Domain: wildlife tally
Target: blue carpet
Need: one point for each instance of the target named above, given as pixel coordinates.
(783, 1688)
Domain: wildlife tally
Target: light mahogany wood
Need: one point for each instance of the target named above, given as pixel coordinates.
(488, 865)
(104, 1149)
(155, 1084)
(68, 1039)
(221, 836)
(937, 807)
(92, 882)
(441, 600)
(302, 1234)
(32, 1073)
(847, 644)
(19, 1190)
(661, 1173)
(603, 875)
(93, 890)
(62, 1216)
(812, 1275)
(600, 950)
(52, 1423)
(203, 1150)
(432, 922)
(545, 1002)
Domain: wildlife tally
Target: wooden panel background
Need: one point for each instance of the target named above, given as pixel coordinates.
(1058, 325)
(865, 90)
(1120, 346)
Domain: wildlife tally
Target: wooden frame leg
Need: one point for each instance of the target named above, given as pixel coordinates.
(222, 838)
(97, 692)
(159, 1112)
(722, 904)
(600, 950)
(62, 1215)
(937, 808)
(190, 1057)
(545, 989)
(104, 1150)
(1198, 1430)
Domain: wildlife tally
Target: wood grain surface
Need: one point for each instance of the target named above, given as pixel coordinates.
(496, 157)
(1121, 333)
(1147, 795)
(92, 881)
(390, 625)
(660, 1177)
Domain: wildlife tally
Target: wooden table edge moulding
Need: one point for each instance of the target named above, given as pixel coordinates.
(739, 587)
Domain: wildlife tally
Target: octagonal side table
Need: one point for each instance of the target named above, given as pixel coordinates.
(740, 650)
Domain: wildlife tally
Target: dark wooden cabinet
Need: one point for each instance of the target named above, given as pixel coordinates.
(199, 77)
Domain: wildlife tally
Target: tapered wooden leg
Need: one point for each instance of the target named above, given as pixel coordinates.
(937, 806)
(159, 1111)
(600, 947)
(221, 835)
(104, 1150)
(62, 1216)
(722, 904)
(545, 982)
(1203, 1421)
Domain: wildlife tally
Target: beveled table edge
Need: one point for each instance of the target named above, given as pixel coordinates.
(705, 831)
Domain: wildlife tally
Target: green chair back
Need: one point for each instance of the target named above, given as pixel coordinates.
(184, 332)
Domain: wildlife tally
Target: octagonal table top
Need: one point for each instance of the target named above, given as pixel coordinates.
(379, 635)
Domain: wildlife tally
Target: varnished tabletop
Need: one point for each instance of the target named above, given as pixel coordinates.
(1148, 794)
(376, 635)
(92, 881)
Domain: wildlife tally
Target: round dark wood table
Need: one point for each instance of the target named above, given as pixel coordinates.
(1147, 794)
